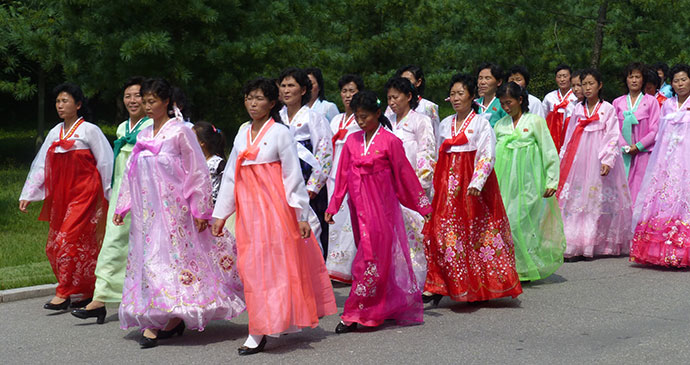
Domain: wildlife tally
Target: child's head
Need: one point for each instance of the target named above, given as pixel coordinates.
(513, 99)
(367, 109)
(211, 139)
(401, 94)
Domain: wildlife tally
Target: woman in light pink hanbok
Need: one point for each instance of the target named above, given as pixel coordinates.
(374, 172)
(178, 274)
(662, 210)
(593, 191)
(638, 116)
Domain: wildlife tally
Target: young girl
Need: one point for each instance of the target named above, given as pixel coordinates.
(178, 274)
(375, 173)
(285, 279)
(661, 210)
(527, 171)
(489, 79)
(424, 106)
(593, 191)
(638, 115)
(71, 174)
(212, 142)
(469, 248)
(341, 240)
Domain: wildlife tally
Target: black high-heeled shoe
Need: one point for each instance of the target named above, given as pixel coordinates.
(148, 342)
(343, 328)
(83, 313)
(436, 298)
(244, 350)
(179, 329)
(57, 307)
(81, 303)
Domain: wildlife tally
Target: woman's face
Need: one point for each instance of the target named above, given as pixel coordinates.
(634, 81)
(518, 78)
(347, 92)
(314, 87)
(132, 100)
(576, 85)
(410, 76)
(460, 98)
(156, 108)
(487, 83)
(563, 79)
(591, 87)
(258, 106)
(398, 101)
(66, 107)
(291, 92)
(511, 105)
(366, 120)
(681, 84)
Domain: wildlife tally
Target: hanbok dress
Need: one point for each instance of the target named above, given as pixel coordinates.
(493, 112)
(662, 209)
(416, 133)
(559, 108)
(341, 239)
(639, 123)
(661, 98)
(174, 271)
(326, 108)
(535, 106)
(596, 210)
(112, 260)
(315, 150)
(526, 165)
(286, 284)
(71, 174)
(378, 179)
(425, 107)
(470, 254)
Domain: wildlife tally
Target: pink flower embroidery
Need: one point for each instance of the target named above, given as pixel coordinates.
(449, 254)
(486, 253)
(498, 242)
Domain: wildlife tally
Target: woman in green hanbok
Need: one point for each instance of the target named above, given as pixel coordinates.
(527, 167)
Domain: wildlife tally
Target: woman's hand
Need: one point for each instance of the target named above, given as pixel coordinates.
(549, 193)
(304, 229)
(427, 217)
(605, 169)
(117, 220)
(312, 195)
(217, 227)
(23, 204)
(200, 224)
(473, 192)
(633, 150)
(328, 218)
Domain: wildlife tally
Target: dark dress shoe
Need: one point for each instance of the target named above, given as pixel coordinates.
(57, 307)
(436, 298)
(81, 303)
(178, 330)
(147, 342)
(99, 313)
(343, 328)
(244, 350)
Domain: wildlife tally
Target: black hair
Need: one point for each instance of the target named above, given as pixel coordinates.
(517, 69)
(270, 90)
(418, 75)
(346, 79)
(134, 80)
(679, 67)
(650, 76)
(515, 91)
(213, 138)
(597, 76)
(469, 82)
(404, 86)
(367, 100)
(562, 67)
(78, 95)
(634, 66)
(664, 68)
(576, 73)
(301, 78)
(496, 70)
(182, 102)
(162, 89)
(316, 72)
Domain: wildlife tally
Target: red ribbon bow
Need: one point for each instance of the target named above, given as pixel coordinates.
(569, 157)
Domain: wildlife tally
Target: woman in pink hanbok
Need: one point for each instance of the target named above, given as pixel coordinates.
(662, 209)
(178, 274)
(285, 280)
(375, 173)
(593, 191)
(638, 116)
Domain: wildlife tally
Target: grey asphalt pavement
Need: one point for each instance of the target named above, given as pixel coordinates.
(606, 311)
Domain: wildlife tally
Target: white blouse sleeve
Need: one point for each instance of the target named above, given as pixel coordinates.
(426, 152)
(320, 135)
(295, 191)
(34, 188)
(485, 157)
(103, 153)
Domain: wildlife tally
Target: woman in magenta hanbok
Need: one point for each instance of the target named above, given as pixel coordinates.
(593, 191)
(178, 274)
(375, 173)
(638, 116)
(662, 209)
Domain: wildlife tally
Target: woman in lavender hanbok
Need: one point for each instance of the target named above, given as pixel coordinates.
(374, 172)
(662, 209)
(178, 274)
(638, 116)
(593, 191)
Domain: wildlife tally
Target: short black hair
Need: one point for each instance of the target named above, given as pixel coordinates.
(316, 72)
(418, 74)
(663, 67)
(134, 80)
(78, 95)
(594, 73)
(162, 89)
(496, 70)
(634, 66)
(301, 78)
(404, 86)
(651, 76)
(270, 90)
(469, 82)
(518, 69)
(563, 66)
(348, 78)
(679, 67)
(515, 91)
(369, 101)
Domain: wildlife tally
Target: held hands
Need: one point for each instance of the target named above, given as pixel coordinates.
(23, 204)
(118, 220)
(217, 227)
(328, 218)
(304, 229)
(200, 224)
(605, 169)
(549, 193)
(473, 192)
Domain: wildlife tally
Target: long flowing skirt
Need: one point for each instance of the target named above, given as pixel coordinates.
(76, 209)
(341, 246)
(286, 283)
(469, 247)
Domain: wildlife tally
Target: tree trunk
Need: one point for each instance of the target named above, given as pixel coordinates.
(40, 130)
(599, 34)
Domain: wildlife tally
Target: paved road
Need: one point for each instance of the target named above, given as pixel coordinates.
(604, 311)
